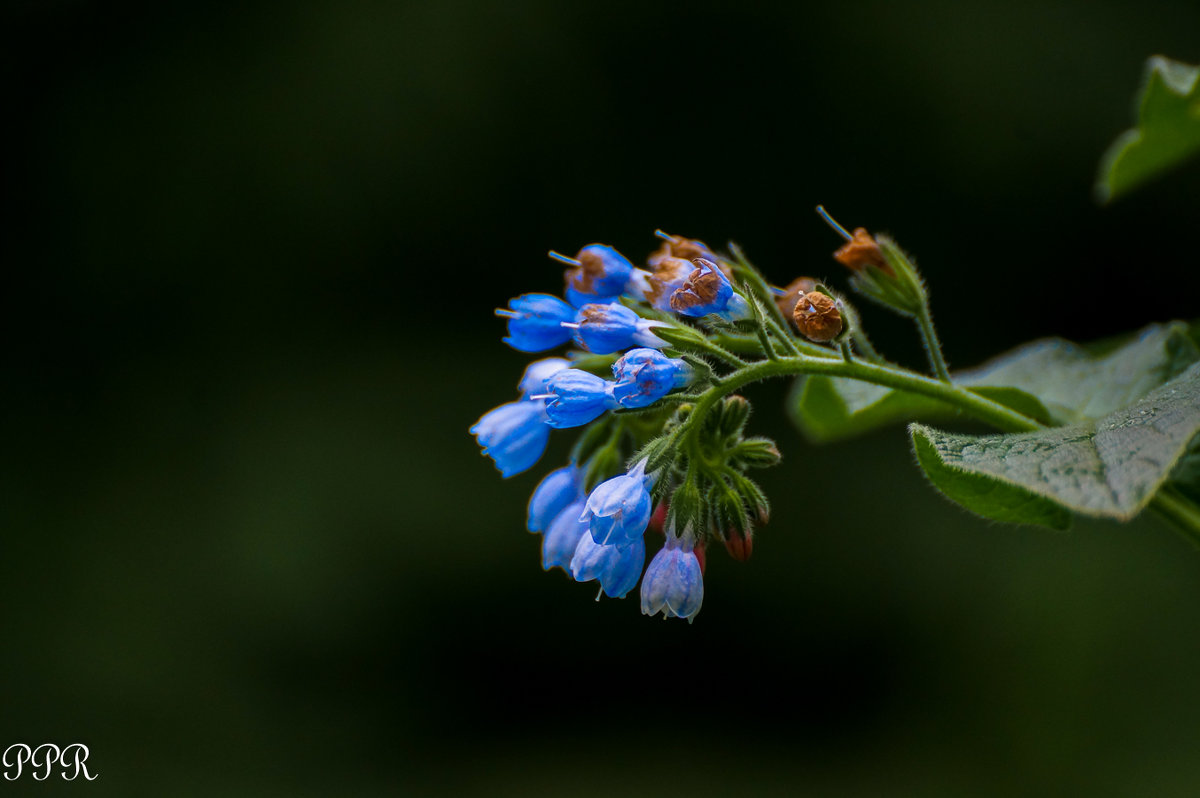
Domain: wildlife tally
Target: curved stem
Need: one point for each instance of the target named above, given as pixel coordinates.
(933, 344)
(975, 405)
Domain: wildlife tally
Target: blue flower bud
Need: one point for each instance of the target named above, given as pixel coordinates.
(562, 538)
(604, 329)
(538, 373)
(617, 566)
(535, 322)
(557, 490)
(674, 584)
(576, 397)
(619, 510)
(707, 290)
(601, 275)
(514, 435)
(646, 375)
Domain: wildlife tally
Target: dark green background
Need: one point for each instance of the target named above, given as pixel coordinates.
(248, 547)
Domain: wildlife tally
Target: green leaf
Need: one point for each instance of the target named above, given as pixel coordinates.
(988, 497)
(1052, 381)
(1167, 131)
(1109, 468)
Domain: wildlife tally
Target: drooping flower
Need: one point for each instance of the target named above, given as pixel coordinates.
(576, 397)
(674, 583)
(535, 322)
(562, 538)
(618, 510)
(643, 376)
(604, 329)
(558, 489)
(707, 290)
(598, 274)
(538, 373)
(514, 435)
(617, 566)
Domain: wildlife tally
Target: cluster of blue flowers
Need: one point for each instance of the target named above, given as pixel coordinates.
(600, 535)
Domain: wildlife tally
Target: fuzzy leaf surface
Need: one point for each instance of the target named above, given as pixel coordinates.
(1108, 468)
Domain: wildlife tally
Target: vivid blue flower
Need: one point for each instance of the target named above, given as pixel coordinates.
(604, 329)
(674, 583)
(617, 566)
(707, 290)
(562, 538)
(557, 490)
(535, 322)
(619, 510)
(576, 397)
(644, 376)
(537, 373)
(598, 273)
(514, 435)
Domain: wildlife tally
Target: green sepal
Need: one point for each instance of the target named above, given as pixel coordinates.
(755, 452)
(730, 416)
(683, 338)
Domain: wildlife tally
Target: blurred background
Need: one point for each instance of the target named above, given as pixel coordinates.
(248, 547)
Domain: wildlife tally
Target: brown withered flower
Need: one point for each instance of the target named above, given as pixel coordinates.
(670, 274)
(817, 317)
(792, 292)
(704, 287)
(679, 247)
(861, 251)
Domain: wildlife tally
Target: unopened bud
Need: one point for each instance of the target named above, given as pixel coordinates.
(731, 416)
(817, 317)
(757, 453)
(739, 546)
(860, 252)
(659, 517)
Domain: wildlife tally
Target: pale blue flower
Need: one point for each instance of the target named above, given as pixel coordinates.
(616, 566)
(674, 583)
(619, 510)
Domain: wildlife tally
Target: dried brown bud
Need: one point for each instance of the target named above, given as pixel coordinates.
(679, 247)
(860, 252)
(817, 317)
(794, 290)
(591, 268)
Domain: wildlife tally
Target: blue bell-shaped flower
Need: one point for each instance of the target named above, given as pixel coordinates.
(562, 538)
(535, 322)
(557, 490)
(619, 509)
(576, 397)
(674, 583)
(616, 566)
(514, 435)
(643, 376)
